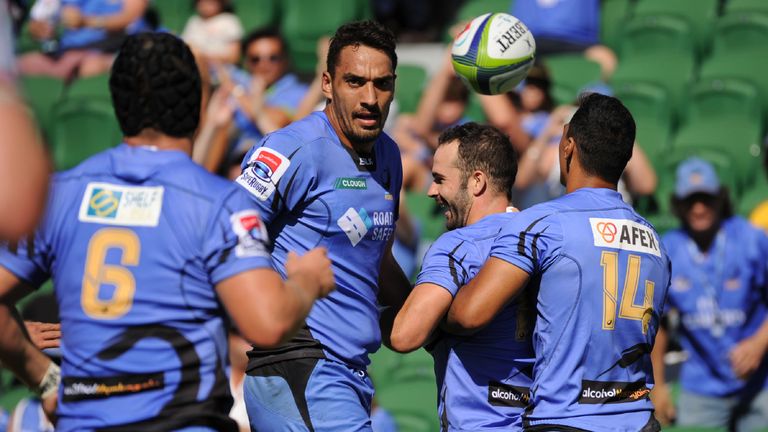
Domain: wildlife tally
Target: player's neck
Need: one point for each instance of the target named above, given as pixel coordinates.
(151, 138)
(577, 179)
(486, 206)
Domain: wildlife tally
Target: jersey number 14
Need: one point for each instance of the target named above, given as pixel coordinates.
(628, 308)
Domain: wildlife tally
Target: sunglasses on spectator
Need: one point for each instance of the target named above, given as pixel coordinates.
(274, 58)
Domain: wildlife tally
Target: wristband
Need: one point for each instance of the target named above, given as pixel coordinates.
(49, 385)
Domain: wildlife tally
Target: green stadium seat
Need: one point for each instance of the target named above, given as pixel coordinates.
(739, 51)
(89, 88)
(569, 74)
(725, 114)
(474, 110)
(650, 106)
(255, 14)
(81, 128)
(425, 210)
(12, 396)
(41, 93)
(746, 6)
(411, 80)
(472, 9)
(613, 13)
(658, 50)
(303, 22)
(174, 13)
(700, 14)
(752, 197)
(414, 399)
(416, 422)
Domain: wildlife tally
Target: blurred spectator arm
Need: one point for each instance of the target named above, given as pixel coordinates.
(314, 94)
(433, 95)
(502, 114)
(131, 11)
(640, 175)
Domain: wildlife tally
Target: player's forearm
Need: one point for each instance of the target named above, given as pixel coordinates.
(17, 353)
(657, 357)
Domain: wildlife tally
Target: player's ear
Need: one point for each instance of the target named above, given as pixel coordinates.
(477, 183)
(327, 85)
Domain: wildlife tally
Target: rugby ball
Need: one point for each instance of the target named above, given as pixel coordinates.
(493, 53)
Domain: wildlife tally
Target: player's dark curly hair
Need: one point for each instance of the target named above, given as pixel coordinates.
(484, 148)
(367, 33)
(604, 132)
(155, 84)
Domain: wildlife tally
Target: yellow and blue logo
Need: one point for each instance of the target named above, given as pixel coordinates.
(104, 203)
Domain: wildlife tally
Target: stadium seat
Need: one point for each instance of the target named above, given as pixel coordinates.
(88, 88)
(658, 50)
(81, 128)
(416, 422)
(472, 9)
(415, 399)
(303, 22)
(411, 80)
(425, 210)
(700, 15)
(569, 74)
(752, 197)
(725, 114)
(256, 14)
(650, 106)
(10, 397)
(746, 6)
(41, 93)
(613, 13)
(174, 13)
(739, 51)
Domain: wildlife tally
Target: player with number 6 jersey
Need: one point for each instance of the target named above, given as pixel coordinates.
(601, 276)
(145, 247)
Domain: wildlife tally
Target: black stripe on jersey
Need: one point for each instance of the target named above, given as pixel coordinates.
(521, 243)
(31, 246)
(444, 417)
(452, 265)
(534, 249)
(630, 356)
(183, 409)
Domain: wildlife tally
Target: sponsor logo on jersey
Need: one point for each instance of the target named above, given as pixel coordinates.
(112, 204)
(251, 234)
(265, 168)
(357, 223)
(358, 183)
(605, 392)
(508, 395)
(78, 389)
(709, 315)
(624, 234)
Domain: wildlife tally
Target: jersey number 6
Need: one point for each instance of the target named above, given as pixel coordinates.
(628, 309)
(98, 273)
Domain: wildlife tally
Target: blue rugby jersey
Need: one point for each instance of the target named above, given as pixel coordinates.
(483, 380)
(602, 278)
(135, 239)
(314, 191)
(721, 297)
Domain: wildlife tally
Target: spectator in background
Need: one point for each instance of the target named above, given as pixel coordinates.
(214, 32)
(566, 26)
(540, 162)
(719, 280)
(442, 105)
(255, 102)
(93, 32)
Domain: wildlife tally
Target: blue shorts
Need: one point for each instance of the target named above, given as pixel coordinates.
(308, 394)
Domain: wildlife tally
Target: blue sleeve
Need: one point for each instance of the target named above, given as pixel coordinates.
(279, 173)
(447, 263)
(28, 259)
(236, 239)
(530, 241)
